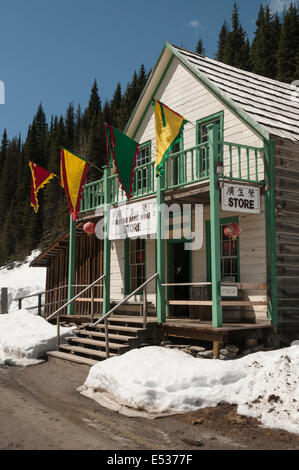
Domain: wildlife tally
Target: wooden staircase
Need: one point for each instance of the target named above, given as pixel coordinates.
(125, 332)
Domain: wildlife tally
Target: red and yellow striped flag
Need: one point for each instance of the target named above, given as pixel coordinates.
(73, 171)
(39, 178)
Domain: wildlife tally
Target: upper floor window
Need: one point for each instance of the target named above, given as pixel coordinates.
(141, 175)
(202, 138)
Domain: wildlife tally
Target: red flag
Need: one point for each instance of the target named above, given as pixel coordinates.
(40, 177)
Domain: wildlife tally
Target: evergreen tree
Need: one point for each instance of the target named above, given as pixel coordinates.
(265, 44)
(70, 127)
(3, 150)
(237, 51)
(115, 106)
(287, 54)
(223, 44)
(200, 47)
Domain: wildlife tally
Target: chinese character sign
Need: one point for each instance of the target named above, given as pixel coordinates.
(241, 198)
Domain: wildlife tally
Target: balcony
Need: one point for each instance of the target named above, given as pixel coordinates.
(188, 167)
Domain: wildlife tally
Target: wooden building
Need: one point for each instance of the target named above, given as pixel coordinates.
(241, 140)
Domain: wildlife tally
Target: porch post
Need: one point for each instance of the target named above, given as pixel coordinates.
(215, 224)
(271, 232)
(72, 267)
(106, 261)
(160, 254)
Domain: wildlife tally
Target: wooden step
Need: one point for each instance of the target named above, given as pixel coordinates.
(88, 352)
(72, 358)
(128, 329)
(95, 342)
(98, 334)
(130, 319)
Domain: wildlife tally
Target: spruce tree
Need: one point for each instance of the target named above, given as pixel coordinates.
(265, 43)
(115, 106)
(288, 46)
(223, 44)
(200, 47)
(70, 127)
(3, 150)
(237, 51)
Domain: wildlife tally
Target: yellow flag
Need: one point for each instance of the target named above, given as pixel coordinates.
(73, 170)
(169, 125)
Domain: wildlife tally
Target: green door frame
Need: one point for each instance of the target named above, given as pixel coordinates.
(169, 261)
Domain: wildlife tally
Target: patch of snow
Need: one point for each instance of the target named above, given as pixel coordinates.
(21, 280)
(154, 381)
(25, 338)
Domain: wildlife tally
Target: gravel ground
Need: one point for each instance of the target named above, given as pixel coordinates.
(40, 409)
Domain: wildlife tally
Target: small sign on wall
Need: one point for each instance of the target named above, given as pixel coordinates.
(240, 198)
(229, 291)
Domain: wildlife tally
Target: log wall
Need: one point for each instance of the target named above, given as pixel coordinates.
(287, 228)
(89, 266)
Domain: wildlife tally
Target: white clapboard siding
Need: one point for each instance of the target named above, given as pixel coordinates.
(182, 92)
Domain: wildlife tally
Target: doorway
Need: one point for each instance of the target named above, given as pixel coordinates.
(179, 272)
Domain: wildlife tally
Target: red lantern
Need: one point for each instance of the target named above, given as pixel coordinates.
(232, 231)
(89, 228)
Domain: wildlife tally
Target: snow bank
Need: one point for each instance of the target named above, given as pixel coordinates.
(22, 280)
(155, 381)
(25, 338)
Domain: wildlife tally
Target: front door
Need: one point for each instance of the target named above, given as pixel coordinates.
(179, 270)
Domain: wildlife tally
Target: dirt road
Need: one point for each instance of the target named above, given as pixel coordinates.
(40, 409)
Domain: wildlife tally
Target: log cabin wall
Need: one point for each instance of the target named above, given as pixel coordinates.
(287, 228)
(89, 266)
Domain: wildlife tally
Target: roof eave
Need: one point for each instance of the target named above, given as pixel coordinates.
(236, 109)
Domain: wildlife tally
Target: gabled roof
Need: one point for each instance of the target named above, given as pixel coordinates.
(267, 105)
(269, 102)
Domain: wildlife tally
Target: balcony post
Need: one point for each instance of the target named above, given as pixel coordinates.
(107, 243)
(72, 267)
(160, 254)
(271, 232)
(215, 224)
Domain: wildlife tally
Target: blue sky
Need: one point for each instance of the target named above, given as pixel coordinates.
(52, 50)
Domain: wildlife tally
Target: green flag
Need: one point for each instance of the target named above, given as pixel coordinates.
(123, 151)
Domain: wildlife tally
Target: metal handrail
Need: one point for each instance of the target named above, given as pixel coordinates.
(39, 293)
(104, 317)
(74, 298)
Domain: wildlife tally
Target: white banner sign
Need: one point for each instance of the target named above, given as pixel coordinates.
(133, 220)
(241, 198)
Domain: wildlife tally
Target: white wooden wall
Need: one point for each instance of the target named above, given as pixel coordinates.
(183, 93)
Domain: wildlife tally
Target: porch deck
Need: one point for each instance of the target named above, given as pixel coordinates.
(204, 331)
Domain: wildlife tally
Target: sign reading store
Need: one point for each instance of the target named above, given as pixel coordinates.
(133, 220)
(240, 198)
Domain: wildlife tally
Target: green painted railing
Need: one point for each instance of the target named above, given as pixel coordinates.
(189, 166)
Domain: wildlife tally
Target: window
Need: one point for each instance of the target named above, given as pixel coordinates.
(135, 263)
(229, 253)
(228, 257)
(141, 175)
(202, 137)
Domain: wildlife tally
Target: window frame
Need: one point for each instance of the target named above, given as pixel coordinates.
(127, 283)
(140, 180)
(223, 221)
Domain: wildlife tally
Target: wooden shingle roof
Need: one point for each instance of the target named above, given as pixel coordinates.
(272, 104)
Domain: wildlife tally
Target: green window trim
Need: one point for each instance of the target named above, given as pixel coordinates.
(148, 143)
(226, 220)
(209, 120)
